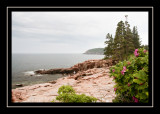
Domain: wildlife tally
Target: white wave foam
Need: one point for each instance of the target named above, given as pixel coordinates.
(29, 73)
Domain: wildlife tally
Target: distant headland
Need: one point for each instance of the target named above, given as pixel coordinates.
(96, 51)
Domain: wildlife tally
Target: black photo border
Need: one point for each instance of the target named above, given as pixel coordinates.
(10, 9)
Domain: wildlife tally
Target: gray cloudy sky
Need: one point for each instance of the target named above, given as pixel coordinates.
(69, 32)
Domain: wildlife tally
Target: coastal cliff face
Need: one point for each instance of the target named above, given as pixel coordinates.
(89, 64)
(90, 78)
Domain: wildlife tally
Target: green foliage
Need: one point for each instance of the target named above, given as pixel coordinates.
(66, 90)
(68, 95)
(131, 78)
(53, 101)
(122, 99)
(145, 47)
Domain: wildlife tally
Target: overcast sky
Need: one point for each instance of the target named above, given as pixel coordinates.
(69, 32)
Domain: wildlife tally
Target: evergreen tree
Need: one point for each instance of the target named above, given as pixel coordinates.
(108, 51)
(128, 41)
(119, 41)
(123, 44)
(136, 40)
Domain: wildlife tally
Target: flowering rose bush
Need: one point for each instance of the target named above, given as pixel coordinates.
(131, 78)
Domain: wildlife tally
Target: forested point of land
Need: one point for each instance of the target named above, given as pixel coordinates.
(97, 51)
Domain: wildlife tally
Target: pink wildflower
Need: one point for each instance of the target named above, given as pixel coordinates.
(136, 50)
(113, 70)
(129, 84)
(124, 68)
(122, 72)
(145, 51)
(136, 53)
(135, 100)
(133, 97)
(115, 89)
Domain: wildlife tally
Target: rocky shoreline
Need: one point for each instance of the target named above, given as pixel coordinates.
(91, 78)
(89, 64)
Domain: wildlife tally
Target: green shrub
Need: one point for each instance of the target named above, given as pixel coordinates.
(68, 95)
(131, 78)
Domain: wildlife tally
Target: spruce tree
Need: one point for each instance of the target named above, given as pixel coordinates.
(128, 41)
(119, 41)
(136, 39)
(123, 44)
(108, 50)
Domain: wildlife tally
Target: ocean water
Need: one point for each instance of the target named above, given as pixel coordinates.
(24, 65)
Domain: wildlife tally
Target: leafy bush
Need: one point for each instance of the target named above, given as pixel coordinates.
(68, 95)
(131, 78)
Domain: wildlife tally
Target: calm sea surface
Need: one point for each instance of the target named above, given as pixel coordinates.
(24, 65)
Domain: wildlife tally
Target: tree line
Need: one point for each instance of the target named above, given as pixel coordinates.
(124, 43)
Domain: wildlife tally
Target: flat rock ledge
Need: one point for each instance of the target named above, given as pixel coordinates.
(96, 83)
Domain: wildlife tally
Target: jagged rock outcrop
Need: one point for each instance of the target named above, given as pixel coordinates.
(89, 64)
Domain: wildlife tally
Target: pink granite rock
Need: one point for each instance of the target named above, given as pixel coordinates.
(96, 83)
